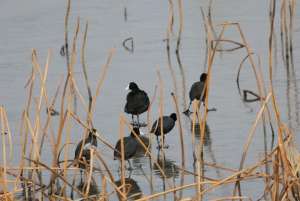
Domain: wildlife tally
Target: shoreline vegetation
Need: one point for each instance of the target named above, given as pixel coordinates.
(278, 169)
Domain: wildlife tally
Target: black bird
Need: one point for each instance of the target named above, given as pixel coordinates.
(137, 101)
(85, 145)
(197, 91)
(168, 124)
(130, 146)
(141, 149)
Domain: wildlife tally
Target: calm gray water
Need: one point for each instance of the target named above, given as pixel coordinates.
(40, 25)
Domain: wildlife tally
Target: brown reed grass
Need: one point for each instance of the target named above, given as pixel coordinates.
(278, 169)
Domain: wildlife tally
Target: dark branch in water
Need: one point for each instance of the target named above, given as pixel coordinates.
(129, 47)
(238, 74)
(125, 14)
(249, 100)
(237, 44)
(50, 110)
(4, 133)
(62, 51)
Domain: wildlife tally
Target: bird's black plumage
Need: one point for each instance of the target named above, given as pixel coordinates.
(137, 100)
(168, 124)
(197, 91)
(130, 146)
(85, 145)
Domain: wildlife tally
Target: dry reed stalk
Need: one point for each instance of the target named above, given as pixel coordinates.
(209, 19)
(89, 173)
(68, 91)
(252, 130)
(180, 8)
(67, 127)
(183, 81)
(200, 150)
(30, 83)
(287, 13)
(48, 123)
(170, 15)
(3, 175)
(168, 33)
(232, 178)
(166, 192)
(121, 137)
(53, 171)
(66, 31)
(35, 152)
(232, 198)
(149, 125)
(97, 134)
(5, 131)
(103, 188)
(101, 78)
(281, 160)
(34, 168)
(210, 55)
(194, 106)
(161, 110)
(178, 114)
(248, 141)
(84, 68)
(220, 167)
(205, 25)
(258, 77)
(84, 65)
(120, 194)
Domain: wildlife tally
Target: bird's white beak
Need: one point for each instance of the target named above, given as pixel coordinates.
(127, 88)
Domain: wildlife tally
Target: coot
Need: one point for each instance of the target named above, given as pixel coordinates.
(168, 124)
(85, 146)
(137, 101)
(197, 91)
(130, 146)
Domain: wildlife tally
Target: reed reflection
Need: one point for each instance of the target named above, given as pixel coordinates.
(197, 130)
(207, 142)
(292, 99)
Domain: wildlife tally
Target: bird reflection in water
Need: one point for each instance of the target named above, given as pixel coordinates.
(93, 190)
(207, 139)
(132, 189)
(168, 166)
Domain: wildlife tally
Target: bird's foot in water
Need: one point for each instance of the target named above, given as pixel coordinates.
(139, 125)
(126, 168)
(166, 146)
(187, 112)
(213, 109)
